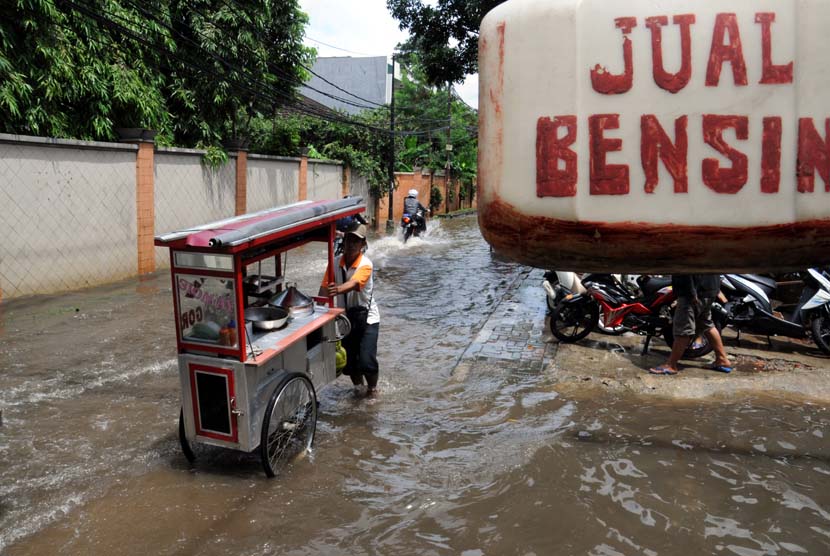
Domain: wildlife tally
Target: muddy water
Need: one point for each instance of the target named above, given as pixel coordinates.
(494, 463)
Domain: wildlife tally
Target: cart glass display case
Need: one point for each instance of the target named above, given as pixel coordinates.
(207, 309)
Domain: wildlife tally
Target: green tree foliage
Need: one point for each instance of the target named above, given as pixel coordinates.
(424, 109)
(444, 34)
(421, 125)
(364, 147)
(249, 56)
(63, 75)
(197, 70)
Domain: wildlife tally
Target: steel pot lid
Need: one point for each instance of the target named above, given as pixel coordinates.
(292, 299)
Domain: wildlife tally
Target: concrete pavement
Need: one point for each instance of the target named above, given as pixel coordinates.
(516, 337)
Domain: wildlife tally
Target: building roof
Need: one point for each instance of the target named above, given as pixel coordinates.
(365, 77)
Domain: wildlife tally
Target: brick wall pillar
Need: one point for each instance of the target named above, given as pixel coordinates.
(241, 182)
(416, 182)
(145, 206)
(346, 188)
(302, 194)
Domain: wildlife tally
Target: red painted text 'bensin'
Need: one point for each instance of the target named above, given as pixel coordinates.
(556, 166)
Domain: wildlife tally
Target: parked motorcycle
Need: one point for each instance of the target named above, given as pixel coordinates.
(749, 307)
(649, 314)
(413, 224)
(558, 284)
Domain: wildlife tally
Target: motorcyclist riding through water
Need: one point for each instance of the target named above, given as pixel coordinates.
(414, 215)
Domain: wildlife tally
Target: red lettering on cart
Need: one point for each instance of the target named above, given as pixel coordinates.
(550, 150)
(721, 52)
(655, 143)
(725, 180)
(608, 83)
(224, 303)
(606, 179)
(672, 82)
(772, 74)
(813, 155)
(771, 155)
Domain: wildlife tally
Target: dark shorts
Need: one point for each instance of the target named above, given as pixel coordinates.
(691, 319)
(362, 356)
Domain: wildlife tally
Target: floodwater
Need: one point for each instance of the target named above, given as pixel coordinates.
(491, 463)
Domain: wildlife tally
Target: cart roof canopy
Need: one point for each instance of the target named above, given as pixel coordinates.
(241, 232)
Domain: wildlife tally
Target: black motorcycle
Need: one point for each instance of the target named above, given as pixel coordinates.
(749, 307)
(413, 224)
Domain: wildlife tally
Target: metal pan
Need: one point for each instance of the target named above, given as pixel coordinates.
(266, 318)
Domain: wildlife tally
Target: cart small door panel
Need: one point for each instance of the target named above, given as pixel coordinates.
(215, 400)
(213, 392)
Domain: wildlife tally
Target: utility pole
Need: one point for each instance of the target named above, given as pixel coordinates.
(449, 148)
(390, 222)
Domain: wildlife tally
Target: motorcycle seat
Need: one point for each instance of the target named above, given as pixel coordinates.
(769, 285)
(652, 285)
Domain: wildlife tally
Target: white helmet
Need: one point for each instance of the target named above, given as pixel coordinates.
(413, 192)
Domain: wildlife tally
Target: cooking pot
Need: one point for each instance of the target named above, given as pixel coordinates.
(294, 301)
(266, 318)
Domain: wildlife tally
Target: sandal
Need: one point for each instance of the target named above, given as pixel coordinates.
(662, 370)
(721, 368)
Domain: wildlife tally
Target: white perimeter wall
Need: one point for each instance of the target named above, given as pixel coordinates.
(68, 208)
(272, 181)
(67, 214)
(189, 193)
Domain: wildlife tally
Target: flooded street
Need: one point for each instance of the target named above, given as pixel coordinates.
(479, 463)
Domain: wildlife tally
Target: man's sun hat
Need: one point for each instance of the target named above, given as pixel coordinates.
(359, 231)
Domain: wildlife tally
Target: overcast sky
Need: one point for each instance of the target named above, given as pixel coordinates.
(361, 28)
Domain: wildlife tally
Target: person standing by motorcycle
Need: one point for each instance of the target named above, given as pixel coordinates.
(415, 209)
(693, 316)
(354, 281)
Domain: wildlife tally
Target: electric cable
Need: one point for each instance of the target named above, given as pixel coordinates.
(280, 96)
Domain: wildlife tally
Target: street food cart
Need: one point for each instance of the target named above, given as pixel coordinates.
(253, 350)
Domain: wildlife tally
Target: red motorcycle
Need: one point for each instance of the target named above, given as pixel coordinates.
(648, 315)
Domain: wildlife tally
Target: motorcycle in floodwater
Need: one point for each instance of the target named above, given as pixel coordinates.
(413, 224)
(649, 314)
(749, 307)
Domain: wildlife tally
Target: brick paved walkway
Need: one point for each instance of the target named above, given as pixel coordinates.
(514, 334)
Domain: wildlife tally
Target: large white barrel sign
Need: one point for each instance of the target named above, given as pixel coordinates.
(656, 135)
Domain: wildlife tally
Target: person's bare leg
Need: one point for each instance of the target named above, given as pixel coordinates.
(678, 348)
(721, 358)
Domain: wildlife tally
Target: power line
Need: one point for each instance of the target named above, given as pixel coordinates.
(291, 79)
(239, 7)
(278, 71)
(224, 61)
(312, 72)
(279, 98)
(338, 48)
(276, 95)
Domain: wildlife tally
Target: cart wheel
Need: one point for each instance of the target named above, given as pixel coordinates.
(186, 449)
(289, 424)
